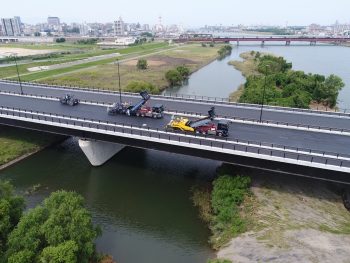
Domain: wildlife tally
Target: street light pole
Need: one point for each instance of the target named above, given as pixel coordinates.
(120, 90)
(263, 98)
(19, 79)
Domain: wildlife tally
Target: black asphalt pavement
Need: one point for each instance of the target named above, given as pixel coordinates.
(323, 120)
(258, 133)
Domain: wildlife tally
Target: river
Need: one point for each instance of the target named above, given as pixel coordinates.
(142, 198)
(220, 79)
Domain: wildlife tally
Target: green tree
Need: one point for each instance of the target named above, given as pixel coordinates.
(63, 253)
(333, 84)
(225, 50)
(61, 225)
(173, 77)
(11, 208)
(184, 71)
(60, 40)
(142, 64)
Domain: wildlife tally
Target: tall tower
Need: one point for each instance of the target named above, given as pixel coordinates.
(119, 29)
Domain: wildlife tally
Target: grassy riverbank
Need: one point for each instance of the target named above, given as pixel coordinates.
(104, 75)
(284, 86)
(274, 216)
(15, 143)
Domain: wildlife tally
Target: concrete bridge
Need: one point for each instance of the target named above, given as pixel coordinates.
(208, 38)
(287, 138)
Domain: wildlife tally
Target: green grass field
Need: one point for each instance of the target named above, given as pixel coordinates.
(26, 76)
(103, 75)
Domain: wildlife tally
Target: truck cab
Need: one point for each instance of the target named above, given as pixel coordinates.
(222, 128)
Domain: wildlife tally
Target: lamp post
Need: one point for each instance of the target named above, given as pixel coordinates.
(120, 90)
(14, 55)
(263, 98)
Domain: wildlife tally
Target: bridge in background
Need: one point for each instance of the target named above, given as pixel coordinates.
(286, 138)
(208, 38)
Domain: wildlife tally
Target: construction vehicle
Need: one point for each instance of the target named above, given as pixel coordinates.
(69, 99)
(203, 125)
(138, 109)
(153, 112)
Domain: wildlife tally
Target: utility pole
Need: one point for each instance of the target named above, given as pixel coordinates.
(120, 89)
(263, 98)
(19, 79)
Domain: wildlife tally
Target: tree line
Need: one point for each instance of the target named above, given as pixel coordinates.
(287, 87)
(58, 230)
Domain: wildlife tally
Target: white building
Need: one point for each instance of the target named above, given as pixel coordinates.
(119, 27)
(53, 21)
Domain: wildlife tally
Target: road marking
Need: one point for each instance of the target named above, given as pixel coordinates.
(212, 139)
(190, 145)
(282, 126)
(196, 101)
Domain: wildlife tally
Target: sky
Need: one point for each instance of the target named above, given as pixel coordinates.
(189, 13)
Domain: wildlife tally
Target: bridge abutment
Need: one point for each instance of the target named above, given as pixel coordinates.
(99, 152)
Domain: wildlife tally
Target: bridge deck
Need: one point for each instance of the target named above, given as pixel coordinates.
(245, 111)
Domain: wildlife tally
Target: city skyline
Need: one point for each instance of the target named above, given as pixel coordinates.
(189, 14)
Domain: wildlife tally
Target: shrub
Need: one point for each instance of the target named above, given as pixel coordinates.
(184, 71)
(174, 77)
(142, 64)
(227, 195)
(60, 40)
(138, 86)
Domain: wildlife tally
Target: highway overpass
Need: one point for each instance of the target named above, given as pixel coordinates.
(290, 137)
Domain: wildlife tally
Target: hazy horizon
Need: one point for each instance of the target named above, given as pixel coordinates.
(187, 13)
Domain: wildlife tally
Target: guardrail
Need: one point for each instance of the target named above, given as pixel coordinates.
(214, 143)
(205, 99)
(234, 118)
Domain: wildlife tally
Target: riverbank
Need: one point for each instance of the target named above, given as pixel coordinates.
(104, 76)
(286, 219)
(18, 144)
(284, 86)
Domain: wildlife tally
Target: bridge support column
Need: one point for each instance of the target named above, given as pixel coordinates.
(99, 152)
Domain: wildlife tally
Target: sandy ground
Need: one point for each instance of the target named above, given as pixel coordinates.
(294, 220)
(22, 52)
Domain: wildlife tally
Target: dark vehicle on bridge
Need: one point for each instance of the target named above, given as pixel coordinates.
(221, 129)
(138, 109)
(202, 126)
(69, 99)
(155, 112)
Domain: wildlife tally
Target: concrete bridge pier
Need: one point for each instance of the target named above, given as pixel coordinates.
(262, 43)
(288, 43)
(99, 152)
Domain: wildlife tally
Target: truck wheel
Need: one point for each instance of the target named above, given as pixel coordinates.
(220, 134)
(197, 132)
